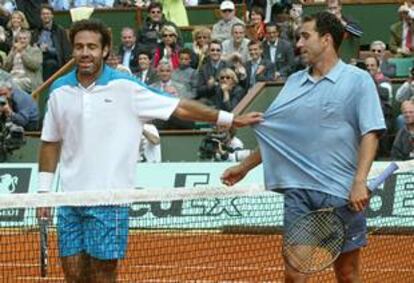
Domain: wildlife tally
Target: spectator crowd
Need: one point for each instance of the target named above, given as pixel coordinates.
(219, 67)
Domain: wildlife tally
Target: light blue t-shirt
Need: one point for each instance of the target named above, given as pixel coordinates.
(312, 131)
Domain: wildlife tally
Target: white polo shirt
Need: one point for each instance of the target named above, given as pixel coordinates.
(100, 128)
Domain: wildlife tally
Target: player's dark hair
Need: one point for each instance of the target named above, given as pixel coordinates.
(93, 26)
(327, 23)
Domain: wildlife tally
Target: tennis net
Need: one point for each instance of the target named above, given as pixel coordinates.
(200, 234)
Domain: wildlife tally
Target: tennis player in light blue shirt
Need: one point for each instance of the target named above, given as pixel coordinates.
(314, 129)
(319, 139)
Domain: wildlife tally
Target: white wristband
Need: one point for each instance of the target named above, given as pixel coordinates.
(225, 119)
(45, 182)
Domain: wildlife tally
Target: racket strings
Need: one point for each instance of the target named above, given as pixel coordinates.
(314, 242)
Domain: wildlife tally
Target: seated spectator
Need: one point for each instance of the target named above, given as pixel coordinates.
(380, 79)
(53, 41)
(24, 62)
(236, 64)
(146, 73)
(406, 90)
(16, 23)
(186, 74)
(150, 146)
(294, 22)
(222, 29)
(278, 51)
(168, 49)
(237, 43)
(175, 88)
(351, 27)
(228, 92)
(201, 40)
(258, 69)
(378, 50)
(114, 62)
(167, 84)
(403, 146)
(149, 35)
(255, 29)
(19, 107)
(209, 72)
(401, 34)
(128, 50)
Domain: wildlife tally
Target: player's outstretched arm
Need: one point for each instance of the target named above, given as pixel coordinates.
(235, 173)
(195, 111)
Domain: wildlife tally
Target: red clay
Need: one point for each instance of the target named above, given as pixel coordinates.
(206, 257)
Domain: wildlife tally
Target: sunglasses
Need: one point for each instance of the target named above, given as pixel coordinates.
(202, 37)
(227, 11)
(155, 12)
(225, 77)
(168, 35)
(215, 50)
(376, 50)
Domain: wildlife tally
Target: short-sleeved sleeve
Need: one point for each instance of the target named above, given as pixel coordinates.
(150, 104)
(369, 112)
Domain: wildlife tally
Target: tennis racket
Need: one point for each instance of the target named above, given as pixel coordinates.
(315, 240)
(43, 231)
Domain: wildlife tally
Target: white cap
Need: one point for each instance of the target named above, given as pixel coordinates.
(403, 8)
(227, 5)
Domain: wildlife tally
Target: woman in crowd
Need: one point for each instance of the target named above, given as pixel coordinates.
(228, 92)
(168, 49)
(17, 23)
(201, 40)
(255, 29)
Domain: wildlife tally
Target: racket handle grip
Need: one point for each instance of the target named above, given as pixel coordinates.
(374, 184)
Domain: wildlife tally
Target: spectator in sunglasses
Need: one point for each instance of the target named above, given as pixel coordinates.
(201, 40)
(228, 92)
(149, 36)
(168, 49)
(377, 49)
(209, 73)
(222, 29)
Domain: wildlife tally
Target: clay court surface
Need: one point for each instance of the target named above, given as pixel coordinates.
(204, 257)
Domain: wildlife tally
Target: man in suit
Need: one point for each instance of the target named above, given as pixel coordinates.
(146, 74)
(257, 68)
(209, 72)
(278, 51)
(175, 88)
(401, 33)
(128, 50)
(53, 41)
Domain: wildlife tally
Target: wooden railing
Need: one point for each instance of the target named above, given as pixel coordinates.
(45, 85)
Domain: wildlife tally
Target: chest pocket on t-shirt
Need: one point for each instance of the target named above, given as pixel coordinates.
(330, 113)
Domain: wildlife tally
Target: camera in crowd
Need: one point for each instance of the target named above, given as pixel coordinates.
(216, 146)
(11, 135)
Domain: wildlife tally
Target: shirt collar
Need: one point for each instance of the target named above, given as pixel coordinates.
(103, 78)
(333, 75)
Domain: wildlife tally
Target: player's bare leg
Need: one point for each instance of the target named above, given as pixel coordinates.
(75, 268)
(347, 267)
(102, 271)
